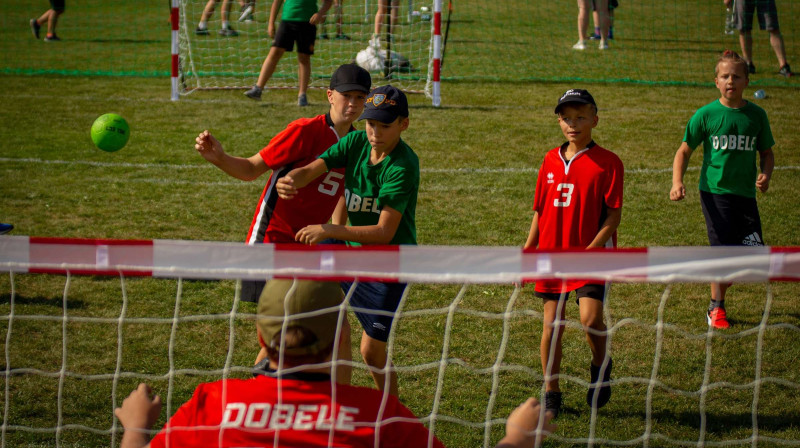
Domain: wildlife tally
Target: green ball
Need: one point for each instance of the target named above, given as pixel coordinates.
(110, 132)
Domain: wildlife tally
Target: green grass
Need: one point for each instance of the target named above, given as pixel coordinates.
(478, 154)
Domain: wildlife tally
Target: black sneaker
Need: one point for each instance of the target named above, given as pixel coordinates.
(52, 38)
(342, 37)
(254, 93)
(751, 68)
(228, 32)
(786, 71)
(5, 228)
(201, 31)
(552, 402)
(35, 27)
(604, 392)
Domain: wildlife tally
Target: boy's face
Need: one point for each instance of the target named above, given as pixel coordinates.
(577, 121)
(347, 105)
(384, 136)
(731, 80)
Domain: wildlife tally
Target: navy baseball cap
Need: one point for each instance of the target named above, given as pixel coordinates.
(385, 104)
(351, 77)
(575, 96)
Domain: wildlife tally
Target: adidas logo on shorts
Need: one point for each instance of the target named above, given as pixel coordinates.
(752, 240)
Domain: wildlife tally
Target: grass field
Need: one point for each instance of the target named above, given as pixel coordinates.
(478, 156)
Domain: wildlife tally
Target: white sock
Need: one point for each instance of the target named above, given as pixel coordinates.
(201, 25)
(225, 25)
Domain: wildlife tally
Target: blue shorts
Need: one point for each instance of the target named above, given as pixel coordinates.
(377, 296)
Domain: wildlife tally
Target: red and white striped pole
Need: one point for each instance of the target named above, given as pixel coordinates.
(436, 92)
(174, 19)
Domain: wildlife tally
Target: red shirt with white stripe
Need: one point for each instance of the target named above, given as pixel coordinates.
(277, 220)
(249, 413)
(572, 197)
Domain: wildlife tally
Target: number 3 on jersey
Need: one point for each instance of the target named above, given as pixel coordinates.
(566, 195)
(330, 185)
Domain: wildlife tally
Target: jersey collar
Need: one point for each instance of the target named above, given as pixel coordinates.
(263, 369)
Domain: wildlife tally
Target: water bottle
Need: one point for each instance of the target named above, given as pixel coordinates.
(730, 20)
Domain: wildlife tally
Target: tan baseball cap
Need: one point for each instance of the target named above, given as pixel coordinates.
(313, 305)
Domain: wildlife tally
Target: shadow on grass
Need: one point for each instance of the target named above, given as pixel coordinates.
(56, 302)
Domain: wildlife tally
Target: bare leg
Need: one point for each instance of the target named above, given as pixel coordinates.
(602, 13)
(344, 371)
(268, 68)
(746, 42)
(551, 368)
(374, 353)
(584, 6)
(303, 72)
(208, 11)
(776, 41)
(591, 311)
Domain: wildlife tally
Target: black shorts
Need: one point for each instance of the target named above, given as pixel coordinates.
(731, 220)
(304, 33)
(612, 4)
(591, 290)
(378, 296)
(767, 14)
(58, 5)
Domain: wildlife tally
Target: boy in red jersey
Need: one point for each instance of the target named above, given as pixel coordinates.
(297, 324)
(578, 205)
(303, 140)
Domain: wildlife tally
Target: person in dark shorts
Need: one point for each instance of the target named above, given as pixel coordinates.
(298, 24)
(767, 14)
(734, 133)
(50, 17)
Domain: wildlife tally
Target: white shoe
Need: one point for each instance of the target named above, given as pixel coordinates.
(603, 45)
(579, 46)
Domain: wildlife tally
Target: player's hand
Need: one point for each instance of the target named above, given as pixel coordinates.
(523, 423)
(311, 235)
(271, 30)
(317, 19)
(677, 192)
(762, 182)
(139, 410)
(285, 188)
(209, 147)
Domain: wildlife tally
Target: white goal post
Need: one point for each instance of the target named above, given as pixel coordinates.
(214, 61)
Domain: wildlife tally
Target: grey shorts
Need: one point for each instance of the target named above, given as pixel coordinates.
(765, 10)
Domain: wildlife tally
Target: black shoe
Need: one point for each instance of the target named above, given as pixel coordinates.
(604, 392)
(342, 37)
(552, 402)
(786, 71)
(228, 32)
(35, 27)
(201, 31)
(52, 38)
(5, 228)
(751, 68)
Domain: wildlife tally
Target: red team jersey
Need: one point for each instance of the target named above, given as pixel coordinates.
(277, 220)
(244, 413)
(571, 200)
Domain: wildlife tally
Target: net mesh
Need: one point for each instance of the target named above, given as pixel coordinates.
(465, 351)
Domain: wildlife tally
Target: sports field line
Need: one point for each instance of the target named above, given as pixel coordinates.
(483, 170)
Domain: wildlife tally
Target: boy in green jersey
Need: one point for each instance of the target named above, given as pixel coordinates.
(381, 185)
(733, 131)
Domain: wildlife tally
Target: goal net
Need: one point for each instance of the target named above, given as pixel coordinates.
(218, 60)
(84, 321)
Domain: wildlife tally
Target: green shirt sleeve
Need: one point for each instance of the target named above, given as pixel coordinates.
(695, 130)
(398, 187)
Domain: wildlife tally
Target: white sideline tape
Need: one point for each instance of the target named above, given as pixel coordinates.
(423, 170)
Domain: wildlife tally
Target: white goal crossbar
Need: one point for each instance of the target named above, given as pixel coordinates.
(419, 264)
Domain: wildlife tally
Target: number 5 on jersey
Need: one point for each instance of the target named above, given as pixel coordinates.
(330, 185)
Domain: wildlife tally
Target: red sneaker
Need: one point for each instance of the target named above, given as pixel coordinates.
(717, 319)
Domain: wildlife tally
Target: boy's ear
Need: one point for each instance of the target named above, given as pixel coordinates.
(403, 123)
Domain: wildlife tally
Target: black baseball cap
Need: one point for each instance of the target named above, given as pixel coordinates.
(385, 104)
(351, 77)
(575, 96)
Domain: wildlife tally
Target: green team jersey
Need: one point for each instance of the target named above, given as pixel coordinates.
(393, 182)
(730, 139)
(299, 10)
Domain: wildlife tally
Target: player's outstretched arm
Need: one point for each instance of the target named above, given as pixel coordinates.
(239, 167)
(288, 185)
(137, 414)
(767, 163)
(524, 428)
(381, 233)
(679, 165)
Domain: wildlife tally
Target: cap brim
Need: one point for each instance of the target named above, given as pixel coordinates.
(572, 101)
(383, 116)
(350, 88)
